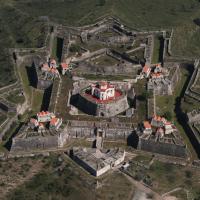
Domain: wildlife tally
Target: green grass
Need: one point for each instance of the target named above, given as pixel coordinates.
(37, 98)
(71, 182)
(34, 96)
(106, 77)
(105, 60)
(51, 183)
(189, 104)
(144, 159)
(181, 194)
(167, 103)
(155, 13)
(15, 97)
(168, 176)
(54, 49)
(116, 187)
(185, 39)
(25, 82)
(156, 50)
(28, 31)
(17, 29)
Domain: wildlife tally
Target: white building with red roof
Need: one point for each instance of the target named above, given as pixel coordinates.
(158, 125)
(157, 75)
(103, 91)
(147, 129)
(169, 128)
(52, 63)
(45, 119)
(41, 127)
(64, 68)
(158, 121)
(45, 67)
(158, 69)
(55, 123)
(34, 123)
(50, 68)
(44, 116)
(146, 70)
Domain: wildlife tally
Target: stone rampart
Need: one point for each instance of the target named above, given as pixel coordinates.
(110, 109)
(162, 148)
(113, 131)
(34, 143)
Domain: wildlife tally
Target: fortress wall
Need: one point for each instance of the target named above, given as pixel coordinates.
(81, 132)
(115, 134)
(86, 106)
(34, 143)
(162, 148)
(175, 77)
(89, 132)
(63, 138)
(113, 108)
(124, 69)
(105, 110)
(43, 84)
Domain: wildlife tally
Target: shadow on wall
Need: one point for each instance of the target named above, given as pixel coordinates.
(32, 75)
(46, 98)
(8, 144)
(181, 116)
(83, 105)
(133, 140)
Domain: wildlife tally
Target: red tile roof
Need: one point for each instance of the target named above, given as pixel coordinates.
(41, 124)
(147, 124)
(64, 65)
(43, 113)
(146, 69)
(156, 75)
(54, 121)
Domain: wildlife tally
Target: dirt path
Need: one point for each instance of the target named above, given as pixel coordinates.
(143, 188)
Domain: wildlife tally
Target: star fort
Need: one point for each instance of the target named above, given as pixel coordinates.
(98, 84)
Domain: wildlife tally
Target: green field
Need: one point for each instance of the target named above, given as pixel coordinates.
(164, 177)
(20, 25)
(60, 179)
(37, 98)
(15, 97)
(169, 176)
(33, 96)
(156, 50)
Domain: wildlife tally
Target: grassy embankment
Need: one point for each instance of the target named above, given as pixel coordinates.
(63, 179)
(166, 104)
(164, 177)
(33, 96)
(27, 31)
